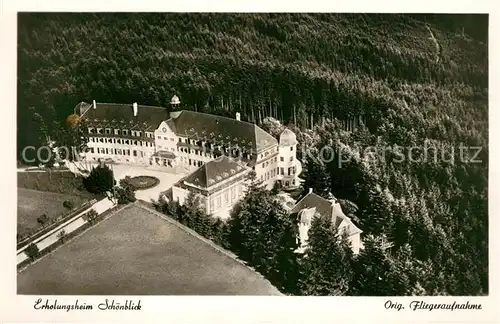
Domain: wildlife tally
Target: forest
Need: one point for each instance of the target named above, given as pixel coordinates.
(414, 79)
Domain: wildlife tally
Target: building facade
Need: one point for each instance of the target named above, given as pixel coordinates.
(183, 141)
(218, 184)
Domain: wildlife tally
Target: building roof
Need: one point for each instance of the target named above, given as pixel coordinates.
(287, 138)
(164, 154)
(148, 117)
(187, 123)
(221, 129)
(325, 208)
(214, 172)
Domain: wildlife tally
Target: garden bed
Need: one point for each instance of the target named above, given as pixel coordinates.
(143, 182)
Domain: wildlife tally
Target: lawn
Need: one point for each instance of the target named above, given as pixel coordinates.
(32, 203)
(135, 252)
(59, 182)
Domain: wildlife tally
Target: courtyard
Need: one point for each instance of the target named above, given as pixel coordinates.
(167, 180)
(136, 252)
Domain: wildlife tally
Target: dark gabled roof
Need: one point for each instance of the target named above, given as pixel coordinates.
(148, 117)
(214, 172)
(188, 123)
(222, 129)
(325, 208)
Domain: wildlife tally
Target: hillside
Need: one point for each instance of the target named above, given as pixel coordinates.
(414, 79)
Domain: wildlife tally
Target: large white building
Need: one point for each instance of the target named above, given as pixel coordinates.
(185, 142)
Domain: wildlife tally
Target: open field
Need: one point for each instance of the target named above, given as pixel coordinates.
(58, 182)
(136, 252)
(32, 203)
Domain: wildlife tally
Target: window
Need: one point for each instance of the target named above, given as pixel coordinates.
(189, 161)
(275, 159)
(159, 137)
(108, 131)
(125, 132)
(117, 132)
(263, 165)
(291, 158)
(282, 171)
(180, 141)
(91, 150)
(166, 139)
(291, 148)
(282, 159)
(135, 153)
(172, 139)
(226, 197)
(289, 171)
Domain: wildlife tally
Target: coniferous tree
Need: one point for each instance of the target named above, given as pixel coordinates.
(326, 268)
(263, 234)
(99, 180)
(316, 175)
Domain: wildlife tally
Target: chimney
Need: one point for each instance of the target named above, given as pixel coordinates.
(310, 190)
(135, 108)
(238, 116)
(94, 105)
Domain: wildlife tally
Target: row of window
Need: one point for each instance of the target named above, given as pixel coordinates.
(233, 193)
(166, 138)
(114, 151)
(291, 171)
(269, 175)
(282, 159)
(119, 132)
(265, 164)
(120, 141)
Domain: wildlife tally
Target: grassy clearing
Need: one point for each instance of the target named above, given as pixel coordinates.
(31, 204)
(58, 182)
(137, 253)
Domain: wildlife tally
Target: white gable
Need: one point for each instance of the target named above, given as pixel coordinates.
(164, 129)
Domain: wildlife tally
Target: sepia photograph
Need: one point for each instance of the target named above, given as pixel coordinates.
(254, 154)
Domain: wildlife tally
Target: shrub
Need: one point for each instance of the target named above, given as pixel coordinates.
(32, 251)
(61, 235)
(43, 219)
(142, 182)
(99, 180)
(91, 216)
(124, 195)
(68, 204)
